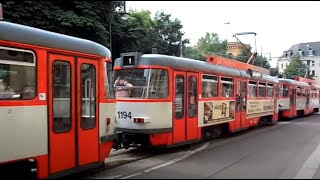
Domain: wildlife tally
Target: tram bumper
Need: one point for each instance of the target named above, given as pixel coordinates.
(137, 122)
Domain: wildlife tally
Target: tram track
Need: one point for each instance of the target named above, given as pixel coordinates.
(123, 157)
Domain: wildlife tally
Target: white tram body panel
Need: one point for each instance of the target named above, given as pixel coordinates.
(157, 116)
(107, 110)
(301, 103)
(23, 132)
(314, 103)
(284, 104)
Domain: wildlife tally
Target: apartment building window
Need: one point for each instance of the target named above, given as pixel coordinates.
(282, 66)
(300, 52)
(313, 63)
(313, 73)
(310, 51)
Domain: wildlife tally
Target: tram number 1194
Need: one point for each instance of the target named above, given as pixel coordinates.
(124, 115)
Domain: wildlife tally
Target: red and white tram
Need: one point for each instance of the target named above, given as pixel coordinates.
(57, 109)
(298, 97)
(168, 101)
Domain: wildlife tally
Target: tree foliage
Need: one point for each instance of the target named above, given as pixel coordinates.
(274, 72)
(212, 44)
(83, 19)
(142, 33)
(259, 60)
(296, 68)
(209, 44)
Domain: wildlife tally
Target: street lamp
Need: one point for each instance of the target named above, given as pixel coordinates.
(1, 12)
(124, 15)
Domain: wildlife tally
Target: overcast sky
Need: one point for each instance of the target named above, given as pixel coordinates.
(278, 24)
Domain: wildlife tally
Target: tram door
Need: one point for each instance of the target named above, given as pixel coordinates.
(185, 102)
(73, 127)
(242, 103)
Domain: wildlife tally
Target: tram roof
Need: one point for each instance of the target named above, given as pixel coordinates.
(293, 82)
(34, 36)
(191, 64)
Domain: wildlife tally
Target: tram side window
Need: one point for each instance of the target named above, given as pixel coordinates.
(109, 79)
(179, 100)
(88, 88)
(280, 90)
(314, 93)
(209, 86)
(253, 88)
(270, 90)
(303, 92)
(299, 91)
(262, 89)
(62, 97)
(192, 96)
(285, 90)
(17, 74)
(227, 87)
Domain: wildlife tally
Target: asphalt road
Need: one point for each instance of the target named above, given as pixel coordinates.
(288, 149)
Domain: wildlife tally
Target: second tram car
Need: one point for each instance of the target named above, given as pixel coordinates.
(169, 101)
(298, 97)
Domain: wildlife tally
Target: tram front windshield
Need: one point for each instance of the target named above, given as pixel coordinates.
(141, 83)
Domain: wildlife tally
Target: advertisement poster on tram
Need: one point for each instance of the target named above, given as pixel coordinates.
(218, 111)
(257, 108)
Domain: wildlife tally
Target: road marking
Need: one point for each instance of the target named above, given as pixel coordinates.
(311, 165)
(187, 155)
(108, 177)
(132, 175)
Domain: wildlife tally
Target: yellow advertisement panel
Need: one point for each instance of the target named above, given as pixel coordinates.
(257, 108)
(218, 111)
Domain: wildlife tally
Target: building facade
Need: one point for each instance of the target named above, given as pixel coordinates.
(235, 48)
(310, 55)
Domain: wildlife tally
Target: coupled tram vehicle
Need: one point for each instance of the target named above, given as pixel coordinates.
(299, 97)
(170, 101)
(57, 110)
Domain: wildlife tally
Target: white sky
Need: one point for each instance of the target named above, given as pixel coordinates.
(278, 24)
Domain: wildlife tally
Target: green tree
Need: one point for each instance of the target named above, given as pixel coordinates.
(84, 19)
(192, 52)
(244, 55)
(274, 71)
(262, 62)
(133, 34)
(168, 34)
(295, 68)
(209, 44)
(141, 33)
(259, 60)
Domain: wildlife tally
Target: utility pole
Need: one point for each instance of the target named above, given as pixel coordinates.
(181, 46)
(110, 36)
(261, 57)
